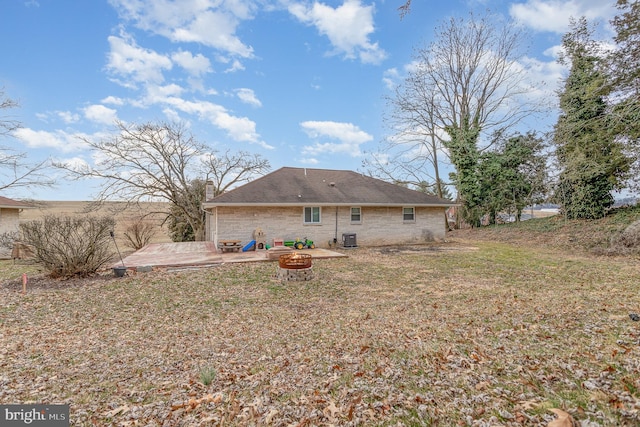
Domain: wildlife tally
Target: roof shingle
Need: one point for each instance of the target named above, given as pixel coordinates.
(5, 202)
(304, 186)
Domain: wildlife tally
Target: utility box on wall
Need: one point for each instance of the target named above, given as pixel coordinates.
(349, 240)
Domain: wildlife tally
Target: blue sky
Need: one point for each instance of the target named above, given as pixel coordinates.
(301, 83)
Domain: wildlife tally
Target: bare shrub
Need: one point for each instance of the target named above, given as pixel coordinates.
(70, 246)
(7, 239)
(138, 233)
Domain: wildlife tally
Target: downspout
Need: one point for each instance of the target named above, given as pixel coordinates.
(335, 236)
(215, 232)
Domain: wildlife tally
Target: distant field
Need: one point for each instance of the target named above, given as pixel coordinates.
(123, 213)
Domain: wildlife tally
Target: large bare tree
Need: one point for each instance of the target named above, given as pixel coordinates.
(413, 153)
(462, 88)
(15, 170)
(163, 161)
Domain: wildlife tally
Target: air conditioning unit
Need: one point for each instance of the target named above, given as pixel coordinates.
(349, 240)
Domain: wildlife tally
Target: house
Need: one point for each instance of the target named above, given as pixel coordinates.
(10, 221)
(326, 206)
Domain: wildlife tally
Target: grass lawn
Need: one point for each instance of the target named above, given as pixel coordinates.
(478, 333)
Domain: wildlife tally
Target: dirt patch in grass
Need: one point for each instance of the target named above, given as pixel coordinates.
(487, 333)
(425, 249)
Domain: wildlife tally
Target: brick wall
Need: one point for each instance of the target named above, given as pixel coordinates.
(379, 225)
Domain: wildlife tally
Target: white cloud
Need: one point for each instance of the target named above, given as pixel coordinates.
(350, 138)
(542, 78)
(101, 114)
(348, 28)
(68, 116)
(126, 59)
(391, 78)
(235, 66)
(74, 163)
(172, 115)
(194, 65)
(238, 128)
(554, 15)
(58, 140)
(309, 161)
(142, 65)
(248, 96)
(212, 23)
(113, 100)
(158, 94)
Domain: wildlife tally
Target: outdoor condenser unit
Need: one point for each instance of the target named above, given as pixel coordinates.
(349, 240)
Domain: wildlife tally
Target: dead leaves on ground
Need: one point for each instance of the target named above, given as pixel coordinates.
(374, 339)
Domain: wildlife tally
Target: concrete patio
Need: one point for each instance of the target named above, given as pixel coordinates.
(194, 254)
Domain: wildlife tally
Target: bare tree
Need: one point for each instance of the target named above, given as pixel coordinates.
(162, 162)
(463, 87)
(15, 170)
(473, 74)
(413, 154)
(227, 170)
(7, 124)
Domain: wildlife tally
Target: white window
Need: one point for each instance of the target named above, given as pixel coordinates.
(312, 215)
(408, 214)
(356, 216)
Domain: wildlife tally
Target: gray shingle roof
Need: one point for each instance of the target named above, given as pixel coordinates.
(304, 186)
(13, 204)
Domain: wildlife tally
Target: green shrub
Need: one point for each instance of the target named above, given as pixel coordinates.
(70, 246)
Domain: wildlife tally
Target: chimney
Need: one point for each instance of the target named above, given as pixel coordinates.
(208, 191)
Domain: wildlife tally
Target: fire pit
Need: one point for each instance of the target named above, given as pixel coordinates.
(295, 261)
(295, 267)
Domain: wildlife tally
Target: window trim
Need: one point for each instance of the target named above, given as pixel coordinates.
(413, 214)
(304, 215)
(359, 220)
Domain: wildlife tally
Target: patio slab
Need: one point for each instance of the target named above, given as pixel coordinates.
(193, 254)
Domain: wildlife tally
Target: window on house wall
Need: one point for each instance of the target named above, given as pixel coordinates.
(312, 215)
(356, 216)
(408, 214)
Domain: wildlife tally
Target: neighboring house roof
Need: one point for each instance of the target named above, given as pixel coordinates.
(305, 186)
(6, 203)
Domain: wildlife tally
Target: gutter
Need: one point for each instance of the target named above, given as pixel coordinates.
(324, 204)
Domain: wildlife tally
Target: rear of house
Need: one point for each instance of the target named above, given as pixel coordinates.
(10, 221)
(326, 206)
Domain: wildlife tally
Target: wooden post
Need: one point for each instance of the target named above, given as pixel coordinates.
(24, 283)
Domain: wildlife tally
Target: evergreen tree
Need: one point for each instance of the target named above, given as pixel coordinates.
(624, 72)
(513, 176)
(592, 162)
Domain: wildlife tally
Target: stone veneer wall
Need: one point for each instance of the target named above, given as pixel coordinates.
(379, 225)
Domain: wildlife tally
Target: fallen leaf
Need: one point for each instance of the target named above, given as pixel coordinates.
(331, 409)
(563, 420)
(120, 409)
(270, 416)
